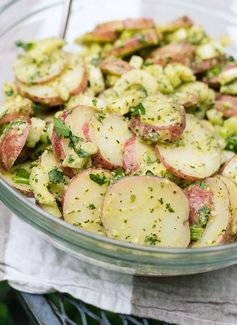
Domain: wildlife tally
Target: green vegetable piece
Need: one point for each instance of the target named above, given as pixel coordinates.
(55, 176)
(21, 176)
(138, 110)
(82, 153)
(100, 180)
(61, 129)
(204, 214)
(231, 143)
(196, 232)
(25, 46)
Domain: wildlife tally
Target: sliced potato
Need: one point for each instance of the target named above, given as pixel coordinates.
(232, 189)
(12, 141)
(15, 107)
(162, 119)
(227, 105)
(83, 199)
(138, 41)
(136, 77)
(54, 93)
(181, 22)
(147, 210)
(109, 134)
(115, 66)
(139, 157)
(229, 170)
(28, 71)
(195, 155)
(173, 52)
(217, 229)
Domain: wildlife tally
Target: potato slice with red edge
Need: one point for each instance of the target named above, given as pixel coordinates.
(83, 199)
(229, 170)
(205, 65)
(180, 22)
(109, 133)
(99, 35)
(138, 156)
(14, 108)
(22, 188)
(29, 72)
(115, 66)
(160, 119)
(195, 155)
(147, 210)
(217, 229)
(12, 141)
(227, 105)
(138, 23)
(76, 120)
(232, 189)
(200, 197)
(172, 53)
(54, 93)
(138, 41)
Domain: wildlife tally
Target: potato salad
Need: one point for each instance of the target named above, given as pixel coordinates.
(133, 136)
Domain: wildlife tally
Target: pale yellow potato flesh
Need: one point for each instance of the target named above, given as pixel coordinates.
(195, 155)
(83, 201)
(147, 210)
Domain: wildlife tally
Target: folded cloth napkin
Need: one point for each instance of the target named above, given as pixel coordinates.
(31, 264)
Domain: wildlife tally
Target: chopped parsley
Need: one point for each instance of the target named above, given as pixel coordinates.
(204, 214)
(99, 179)
(169, 208)
(55, 176)
(118, 174)
(231, 143)
(92, 206)
(138, 110)
(82, 153)
(203, 185)
(152, 239)
(61, 129)
(25, 46)
(132, 198)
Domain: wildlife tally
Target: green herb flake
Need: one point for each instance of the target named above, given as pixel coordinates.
(169, 208)
(91, 206)
(138, 110)
(61, 129)
(152, 239)
(99, 179)
(55, 176)
(25, 46)
(203, 185)
(82, 153)
(132, 198)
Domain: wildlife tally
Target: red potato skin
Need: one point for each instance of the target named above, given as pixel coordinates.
(181, 22)
(129, 158)
(198, 198)
(103, 36)
(115, 66)
(97, 159)
(9, 117)
(129, 24)
(173, 53)
(138, 23)
(136, 42)
(167, 133)
(222, 170)
(220, 105)
(12, 144)
(57, 145)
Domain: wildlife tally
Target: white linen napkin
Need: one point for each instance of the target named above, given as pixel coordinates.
(30, 264)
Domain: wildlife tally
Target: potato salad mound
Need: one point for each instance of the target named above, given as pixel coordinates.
(133, 136)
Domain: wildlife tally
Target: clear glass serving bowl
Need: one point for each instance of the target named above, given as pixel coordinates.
(27, 19)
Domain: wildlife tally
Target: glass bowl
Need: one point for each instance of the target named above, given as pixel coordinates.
(27, 19)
